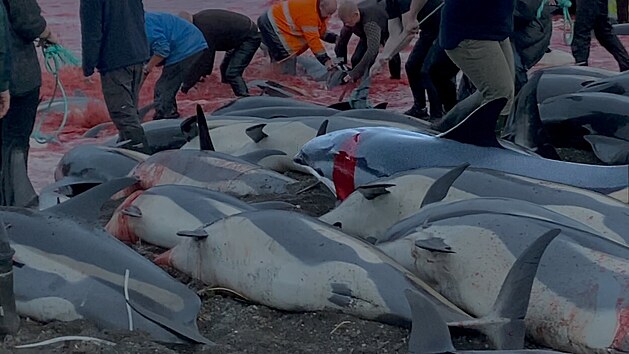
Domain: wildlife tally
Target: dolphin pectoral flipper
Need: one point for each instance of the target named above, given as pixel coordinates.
(132, 211)
(504, 325)
(256, 132)
(197, 234)
(191, 334)
(439, 189)
(434, 244)
(429, 332)
(87, 205)
(372, 191)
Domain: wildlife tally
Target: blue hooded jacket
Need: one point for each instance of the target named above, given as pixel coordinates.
(172, 37)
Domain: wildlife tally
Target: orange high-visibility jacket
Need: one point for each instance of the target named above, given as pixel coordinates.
(299, 26)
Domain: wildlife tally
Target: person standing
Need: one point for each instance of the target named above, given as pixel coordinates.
(593, 15)
(230, 32)
(26, 24)
(114, 42)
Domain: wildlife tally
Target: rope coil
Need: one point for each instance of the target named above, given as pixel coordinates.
(568, 24)
(55, 56)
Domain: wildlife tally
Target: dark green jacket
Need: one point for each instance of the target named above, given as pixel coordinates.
(25, 24)
(4, 50)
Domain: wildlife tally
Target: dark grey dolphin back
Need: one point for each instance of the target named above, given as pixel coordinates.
(252, 102)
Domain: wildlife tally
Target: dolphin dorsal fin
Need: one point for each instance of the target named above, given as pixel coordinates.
(323, 128)
(439, 189)
(256, 132)
(87, 205)
(478, 128)
(205, 142)
(341, 106)
(382, 105)
(429, 332)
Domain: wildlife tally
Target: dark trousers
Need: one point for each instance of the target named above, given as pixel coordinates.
(237, 60)
(169, 84)
(16, 129)
(622, 10)
(395, 64)
(592, 15)
(277, 51)
(414, 66)
(439, 72)
(121, 89)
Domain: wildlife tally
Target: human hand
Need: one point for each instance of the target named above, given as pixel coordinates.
(347, 78)
(410, 23)
(330, 64)
(5, 100)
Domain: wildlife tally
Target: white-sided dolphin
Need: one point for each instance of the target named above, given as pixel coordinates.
(69, 268)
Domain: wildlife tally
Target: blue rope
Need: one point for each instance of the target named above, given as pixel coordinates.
(568, 25)
(55, 56)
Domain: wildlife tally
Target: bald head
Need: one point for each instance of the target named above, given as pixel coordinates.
(327, 7)
(186, 16)
(348, 13)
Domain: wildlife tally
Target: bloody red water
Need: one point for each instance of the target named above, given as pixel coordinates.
(63, 17)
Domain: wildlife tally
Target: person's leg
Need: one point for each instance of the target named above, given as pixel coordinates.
(622, 10)
(169, 84)
(488, 67)
(240, 59)
(223, 68)
(586, 13)
(603, 31)
(121, 88)
(442, 72)
(17, 126)
(413, 72)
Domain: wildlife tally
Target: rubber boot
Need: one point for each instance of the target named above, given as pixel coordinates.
(17, 189)
(9, 320)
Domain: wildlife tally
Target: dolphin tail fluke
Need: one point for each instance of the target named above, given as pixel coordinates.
(478, 128)
(504, 325)
(439, 189)
(429, 332)
(205, 142)
(180, 329)
(87, 205)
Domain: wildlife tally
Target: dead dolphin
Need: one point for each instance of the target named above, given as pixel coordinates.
(353, 157)
(620, 29)
(374, 207)
(551, 85)
(275, 89)
(233, 175)
(578, 302)
(246, 103)
(163, 134)
(155, 215)
(87, 165)
(284, 112)
(293, 262)
(569, 118)
(285, 134)
(618, 84)
(68, 268)
(209, 169)
(579, 70)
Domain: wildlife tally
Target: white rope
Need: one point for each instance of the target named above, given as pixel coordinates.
(63, 339)
(126, 296)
